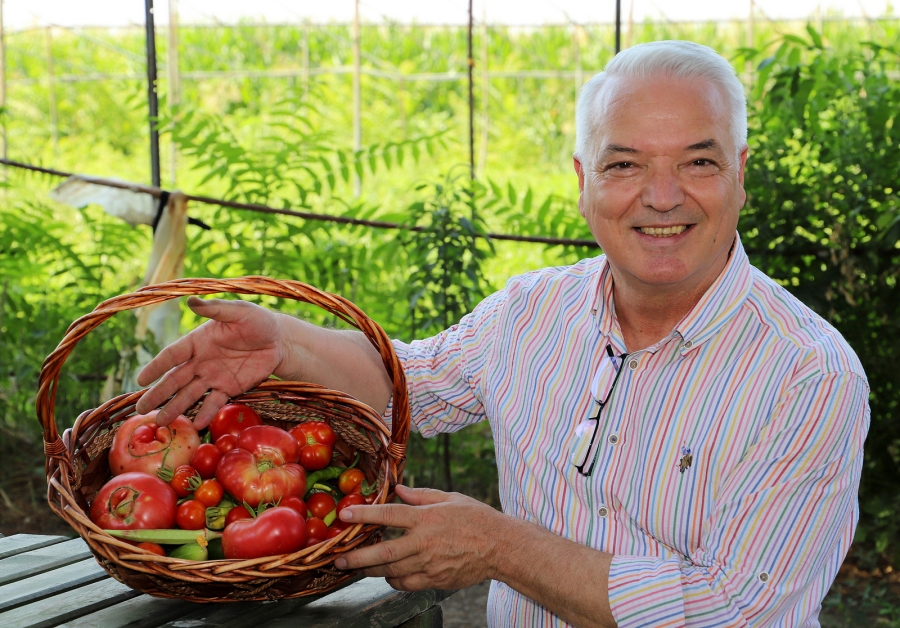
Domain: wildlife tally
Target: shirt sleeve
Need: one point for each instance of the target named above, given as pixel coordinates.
(445, 373)
(779, 530)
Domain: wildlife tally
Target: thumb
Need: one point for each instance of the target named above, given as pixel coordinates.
(421, 496)
(221, 310)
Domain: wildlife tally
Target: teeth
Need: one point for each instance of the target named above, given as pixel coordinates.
(663, 232)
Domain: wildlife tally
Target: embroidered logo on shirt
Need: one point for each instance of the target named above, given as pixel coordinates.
(686, 459)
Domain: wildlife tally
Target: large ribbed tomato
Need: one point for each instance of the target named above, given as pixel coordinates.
(134, 501)
(142, 445)
(263, 467)
(279, 530)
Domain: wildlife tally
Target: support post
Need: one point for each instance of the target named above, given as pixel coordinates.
(471, 99)
(357, 96)
(3, 87)
(152, 100)
(618, 26)
(51, 90)
(174, 96)
(485, 93)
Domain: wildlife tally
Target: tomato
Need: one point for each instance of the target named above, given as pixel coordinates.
(262, 468)
(313, 540)
(233, 418)
(226, 443)
(317, 439)
(141, 445)
(315, 457)
(152, 547)
(206, 459)
(236, 513)
(278, 530)
(134, 501)
(315, 527)
(353, 499)
(185, 480)
(320, 504)
(333, 532)
(191, 515)
(350, 481)
(209, 493)
(296, 503)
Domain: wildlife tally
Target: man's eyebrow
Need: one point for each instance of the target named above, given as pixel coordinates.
(705, 145)
(612, 149)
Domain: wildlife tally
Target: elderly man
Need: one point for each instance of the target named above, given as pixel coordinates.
(679, 440)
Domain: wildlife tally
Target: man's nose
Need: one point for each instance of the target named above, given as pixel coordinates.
(662, 190)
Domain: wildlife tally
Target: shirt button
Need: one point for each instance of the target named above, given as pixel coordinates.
(688, 344)
(763, 577)
(603, 511)
(613, 439)
(632, 365)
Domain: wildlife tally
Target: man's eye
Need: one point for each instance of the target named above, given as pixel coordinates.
(622, 165)
(702, 162)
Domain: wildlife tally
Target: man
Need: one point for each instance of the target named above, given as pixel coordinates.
(679, 440)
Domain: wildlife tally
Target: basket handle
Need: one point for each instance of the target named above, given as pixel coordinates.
(48, 382)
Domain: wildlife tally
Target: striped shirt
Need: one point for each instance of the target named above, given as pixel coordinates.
(727, 458)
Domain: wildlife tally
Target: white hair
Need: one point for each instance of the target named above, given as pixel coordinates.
(674, 59)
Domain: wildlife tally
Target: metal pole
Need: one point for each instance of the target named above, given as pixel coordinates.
(3, 85)
(174, 82)
(471, 100)
(152, 101)
(51, 89)
(485, 93)
(357, 97)
(618, 26)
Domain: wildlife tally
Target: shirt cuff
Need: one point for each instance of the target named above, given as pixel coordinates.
(646, 592)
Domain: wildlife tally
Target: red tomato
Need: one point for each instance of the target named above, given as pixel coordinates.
(191, 515)
(152, 547)
(296, 503)
(209, 493)
(334, 531)
(276, 531)
(141, 445)
(236, 513)
(226, 443)
(353, 499)
(256, 480)
(271, 443)
(316, 528)
(350, 481)
(134, 501)
(185, 480)
(233, 418)
(206, 459)
(313, 540)
(314, 432)
(320, 504)
(315, 457)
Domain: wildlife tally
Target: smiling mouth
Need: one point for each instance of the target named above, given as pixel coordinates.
(663, 232)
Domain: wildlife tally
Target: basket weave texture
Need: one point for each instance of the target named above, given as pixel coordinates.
(77, 464)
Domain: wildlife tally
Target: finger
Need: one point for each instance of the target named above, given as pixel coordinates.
(421, 496)
(394, 515)
(220, 310)
(182, 400)
(173, 381)
(414, 582)
(176, 353)
(380, 554)
(211, 406)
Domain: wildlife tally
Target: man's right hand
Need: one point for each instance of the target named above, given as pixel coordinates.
(239, 347)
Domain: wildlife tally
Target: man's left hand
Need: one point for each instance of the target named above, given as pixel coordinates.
(449, 541)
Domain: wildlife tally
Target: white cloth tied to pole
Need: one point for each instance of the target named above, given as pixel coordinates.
(133, 206)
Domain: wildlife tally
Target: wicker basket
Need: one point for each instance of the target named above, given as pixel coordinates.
(77, 464)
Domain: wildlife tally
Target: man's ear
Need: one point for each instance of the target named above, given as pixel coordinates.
(580, 171)
(743, 164)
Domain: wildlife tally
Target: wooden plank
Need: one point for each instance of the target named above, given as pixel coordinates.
(369, 603)
(432, 618)
(239, 613)
(143, 611)
(49, 583)
(60, 608)
(18, 543)
(40, 560)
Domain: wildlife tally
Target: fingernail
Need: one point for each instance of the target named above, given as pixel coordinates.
(341, 563)
(346, 515)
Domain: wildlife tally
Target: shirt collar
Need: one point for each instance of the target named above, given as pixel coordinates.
(720, 302)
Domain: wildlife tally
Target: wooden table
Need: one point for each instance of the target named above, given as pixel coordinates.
(53, 581)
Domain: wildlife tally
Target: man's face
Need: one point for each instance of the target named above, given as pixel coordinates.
(663, 196)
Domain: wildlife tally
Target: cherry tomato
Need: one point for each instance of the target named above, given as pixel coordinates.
(206, 459)
(333, 531)
(351, 481)
(315, 527)
(320, 504)
(141, 445)
(353, 499)
(315, 432)
(296, 503)
(191, 515)
(134, 501)
(236, 513)
(185, 480)
(315, 457)
(226, 443)
(209, 493)
(313, 540)
(152, 547)
(233, 418)
(276, 531)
